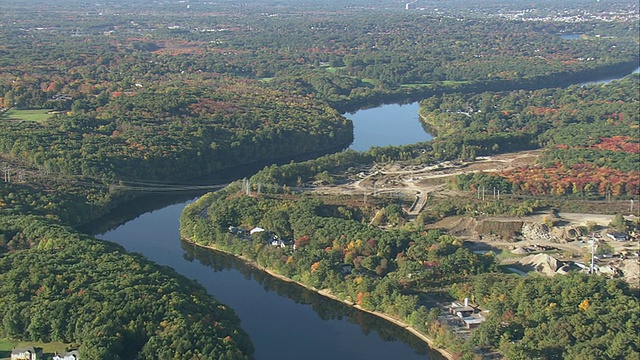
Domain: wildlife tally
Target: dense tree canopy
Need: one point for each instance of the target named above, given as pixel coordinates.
(565, 317)
(59, 285)
(147, 93)
(589, 133)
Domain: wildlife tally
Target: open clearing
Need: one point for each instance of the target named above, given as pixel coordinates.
(26, 115)
(49, 349)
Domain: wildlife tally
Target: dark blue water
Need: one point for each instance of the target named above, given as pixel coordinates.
(283, 320)
(607, 79)
(387, 125)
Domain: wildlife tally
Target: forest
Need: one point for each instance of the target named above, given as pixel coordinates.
(133, 96)
(588, 133)
(61, 285)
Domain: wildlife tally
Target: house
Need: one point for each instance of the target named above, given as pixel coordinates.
(618, 236)
(461, 310)
(278, 243)
(236, 230)
(474, 320)
(27, 353)
(256, 230)
(61, 97)
(72, 355)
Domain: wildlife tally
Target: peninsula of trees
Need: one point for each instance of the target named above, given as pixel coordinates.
(100, 102)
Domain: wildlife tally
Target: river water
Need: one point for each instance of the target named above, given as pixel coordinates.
(283, 320)
(608, 79)
(392, 124)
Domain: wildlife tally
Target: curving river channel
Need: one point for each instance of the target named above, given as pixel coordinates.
(284, 320)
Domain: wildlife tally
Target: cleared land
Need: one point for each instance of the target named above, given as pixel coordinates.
(565, 240)
(49, 349)
(26, 115)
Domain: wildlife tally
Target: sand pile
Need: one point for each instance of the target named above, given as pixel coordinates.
(631, 271)
(542, 263)
(519, 251)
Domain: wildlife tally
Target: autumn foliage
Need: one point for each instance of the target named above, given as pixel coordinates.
(579, 179)
(618, 143)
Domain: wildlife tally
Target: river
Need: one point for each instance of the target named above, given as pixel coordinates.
(392, 124)
(607, 79)
(284, 321)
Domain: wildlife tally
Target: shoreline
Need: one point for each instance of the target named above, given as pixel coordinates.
(444, 352)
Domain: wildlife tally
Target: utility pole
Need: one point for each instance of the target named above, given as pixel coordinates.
(593, 253)
(6, 168)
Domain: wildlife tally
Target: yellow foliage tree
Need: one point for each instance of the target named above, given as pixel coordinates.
(584, 305)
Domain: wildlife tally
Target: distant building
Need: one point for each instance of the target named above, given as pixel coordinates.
(466, 313)
(256, 230)
(236, 230)
(278, 243)
(72, 355)
(27, 353)
(474, 320)
(461, 310)
(618, 236)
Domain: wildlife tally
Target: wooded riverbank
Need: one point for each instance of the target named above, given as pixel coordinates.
(327, 293)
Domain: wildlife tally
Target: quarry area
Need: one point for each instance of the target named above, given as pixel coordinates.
(548, 242)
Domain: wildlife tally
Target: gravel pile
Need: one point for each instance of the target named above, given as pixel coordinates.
(536, 232)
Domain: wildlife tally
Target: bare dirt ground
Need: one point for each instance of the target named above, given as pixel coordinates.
(422, 182)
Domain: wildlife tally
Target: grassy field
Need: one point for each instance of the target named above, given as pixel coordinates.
(26, 115)
(49, 349)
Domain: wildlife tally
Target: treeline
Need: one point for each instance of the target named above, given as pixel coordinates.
(589, 135)
(60, 285)
(565, 317)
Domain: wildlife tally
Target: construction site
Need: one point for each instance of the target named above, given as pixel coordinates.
(548, 242)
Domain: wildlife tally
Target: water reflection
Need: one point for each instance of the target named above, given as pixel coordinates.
(326, 309)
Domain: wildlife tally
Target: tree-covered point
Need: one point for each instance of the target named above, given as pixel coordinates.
(135, 135)
(60, 285)
(339, 248)
(164, 133)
